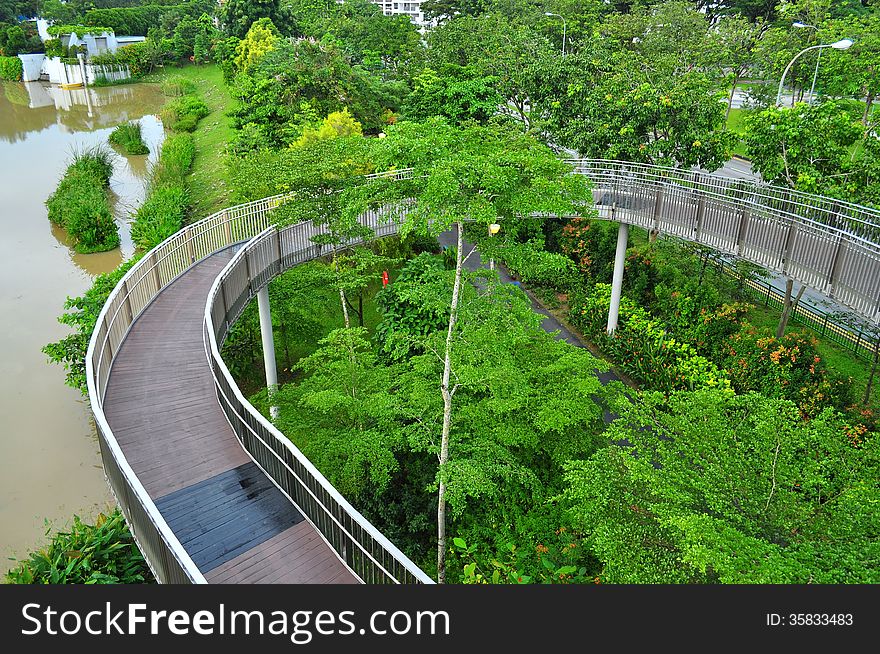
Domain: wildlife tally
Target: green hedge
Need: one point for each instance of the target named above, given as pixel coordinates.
(79, 30)
(11, 69)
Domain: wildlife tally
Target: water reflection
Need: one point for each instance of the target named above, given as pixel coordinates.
(27, 107)
(49, 462)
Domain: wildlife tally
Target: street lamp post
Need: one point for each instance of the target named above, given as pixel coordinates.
(843, 44)
(818, 57)
(494, 228)
(564, 27)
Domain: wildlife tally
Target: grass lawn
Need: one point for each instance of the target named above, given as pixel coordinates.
(208, 183)
(735, 123)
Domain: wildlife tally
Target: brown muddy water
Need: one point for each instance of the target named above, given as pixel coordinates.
(50, 468)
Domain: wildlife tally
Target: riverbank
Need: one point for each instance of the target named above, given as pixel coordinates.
(208, 183)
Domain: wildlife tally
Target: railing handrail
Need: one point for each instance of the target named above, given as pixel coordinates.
(213, 352)
(178, 252)
(148, 263)
(867, 216)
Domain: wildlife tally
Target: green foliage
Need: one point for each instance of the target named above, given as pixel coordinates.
(160, 216)
(139, 20)
(177, 86)
(366, 36)
(78, 30)
(261, 37)
(164, 211)
(103, 553)
(292, 83)
(128, 136)
(337, 124)
(81, 314)
(141, 58)
(345, 407)
(184, 113)
(715, 487)
(788, 368)
(591, 245)
(532, 264)
(237, 16)
(460, 96)
(643, 349)
(11, 69)
(175, 161)
(332, 164)
(80, 204)
(408, 316)
(805, 147)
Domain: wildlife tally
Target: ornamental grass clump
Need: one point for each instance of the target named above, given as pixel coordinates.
(80, 203)
(184, 113)
(128, 136)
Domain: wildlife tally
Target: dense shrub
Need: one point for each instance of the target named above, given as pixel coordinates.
(591, 245)
(787, 368)
(141, 58)
(642, 348)
(128, 136)
(184, 113)
(103, 553)
(80, 204)
(531, 263)
(160, 216)
(11, 69)
(406, 320)
(175, 160)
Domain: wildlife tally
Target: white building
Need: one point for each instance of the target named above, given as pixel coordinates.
(410, 8)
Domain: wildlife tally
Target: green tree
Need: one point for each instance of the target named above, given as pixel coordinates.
(714, 487)
(343, 415)
(237, 16)
(261, 37)
(805, 147)
(479, 174)
(457, 96)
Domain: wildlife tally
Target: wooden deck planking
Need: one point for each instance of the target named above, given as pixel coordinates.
(313, 565)
(162, 406)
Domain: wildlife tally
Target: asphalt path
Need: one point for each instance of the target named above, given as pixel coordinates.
(549, 323)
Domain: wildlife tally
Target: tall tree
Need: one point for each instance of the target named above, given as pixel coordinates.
(475, 174)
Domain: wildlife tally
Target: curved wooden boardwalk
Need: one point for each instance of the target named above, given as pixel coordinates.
(162, 406)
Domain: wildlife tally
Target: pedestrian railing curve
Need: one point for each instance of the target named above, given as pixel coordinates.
(827, 244)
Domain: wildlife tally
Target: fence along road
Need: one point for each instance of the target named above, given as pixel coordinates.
(180, 483)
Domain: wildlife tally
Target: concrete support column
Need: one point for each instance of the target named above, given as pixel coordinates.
(268, 346)
(617, 281)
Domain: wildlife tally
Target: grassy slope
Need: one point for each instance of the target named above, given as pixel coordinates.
(208, 183)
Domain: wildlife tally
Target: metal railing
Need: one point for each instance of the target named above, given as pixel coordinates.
(829, 245)
(824, 243)
(368, 553)
(159, 267)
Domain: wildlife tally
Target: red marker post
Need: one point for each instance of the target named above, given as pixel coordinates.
(384, 278)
